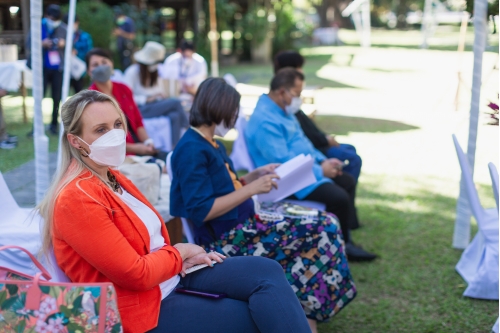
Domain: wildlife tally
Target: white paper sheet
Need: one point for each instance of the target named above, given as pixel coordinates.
(295, 175)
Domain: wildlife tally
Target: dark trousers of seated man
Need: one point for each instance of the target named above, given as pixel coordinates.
(339, 199)
(54, 78)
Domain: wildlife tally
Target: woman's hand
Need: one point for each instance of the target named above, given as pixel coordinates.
(193, 255)
(259, 172)
(202, 258)
(188, 250)
(264, 184)
(140, 149)
(331, 141)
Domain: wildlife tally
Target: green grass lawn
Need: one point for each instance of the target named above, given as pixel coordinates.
(413, 287)
(24, 152)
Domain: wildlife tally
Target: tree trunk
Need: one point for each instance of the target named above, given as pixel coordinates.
(338, 19)
(401, 14)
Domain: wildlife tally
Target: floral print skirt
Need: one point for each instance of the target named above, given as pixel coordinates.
(310, 250)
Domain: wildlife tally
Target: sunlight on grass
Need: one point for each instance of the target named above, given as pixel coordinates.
(413, 287)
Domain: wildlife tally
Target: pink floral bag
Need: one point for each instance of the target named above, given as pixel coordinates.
(30, 304)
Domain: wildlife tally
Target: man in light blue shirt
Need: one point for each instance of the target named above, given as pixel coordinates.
(274, 135)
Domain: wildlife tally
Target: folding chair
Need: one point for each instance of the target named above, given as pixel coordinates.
(22, 227)
(187, 226)
(478, 265)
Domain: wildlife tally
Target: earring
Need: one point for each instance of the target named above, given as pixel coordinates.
(83, 152)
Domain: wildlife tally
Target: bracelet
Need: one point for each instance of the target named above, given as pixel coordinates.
(149, 141)
(243, 182)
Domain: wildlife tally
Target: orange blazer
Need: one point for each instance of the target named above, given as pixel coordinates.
(97, 238)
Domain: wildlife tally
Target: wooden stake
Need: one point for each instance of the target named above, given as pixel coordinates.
(213, 40)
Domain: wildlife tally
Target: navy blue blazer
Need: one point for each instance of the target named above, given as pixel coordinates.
(199, 177)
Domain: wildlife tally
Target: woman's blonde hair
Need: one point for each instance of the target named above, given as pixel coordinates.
(72, 163)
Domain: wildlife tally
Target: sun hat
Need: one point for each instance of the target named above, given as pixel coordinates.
(152, 53)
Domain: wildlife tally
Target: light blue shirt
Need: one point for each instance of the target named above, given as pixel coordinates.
(273, 136)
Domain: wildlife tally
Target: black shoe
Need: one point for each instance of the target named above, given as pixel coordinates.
(355, 253)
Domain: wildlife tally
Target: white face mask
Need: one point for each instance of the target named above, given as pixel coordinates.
(221, 130)
(294, 106)
(109, 149)
(51, 25)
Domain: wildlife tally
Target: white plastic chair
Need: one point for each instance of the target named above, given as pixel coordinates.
(494, 180)
(495, 327)
(240, 155)
(186, 224)
(22, 226)
(478, 265)
(160, 130)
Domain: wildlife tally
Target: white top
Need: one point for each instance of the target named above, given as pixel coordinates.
(153, 224)
(132, 79)
(190, 72)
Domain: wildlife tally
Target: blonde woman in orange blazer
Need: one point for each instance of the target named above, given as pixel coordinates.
(102, 228)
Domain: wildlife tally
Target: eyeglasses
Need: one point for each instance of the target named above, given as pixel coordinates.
(293, 95)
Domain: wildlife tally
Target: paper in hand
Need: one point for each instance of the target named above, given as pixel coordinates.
(295, 175)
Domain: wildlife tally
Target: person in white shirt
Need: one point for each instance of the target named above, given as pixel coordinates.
(149, 93)
(186, 67)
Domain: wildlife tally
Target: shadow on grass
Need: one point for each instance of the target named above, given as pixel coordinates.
(262, 74)
(413, 287)
(343, 125)
(445, 47)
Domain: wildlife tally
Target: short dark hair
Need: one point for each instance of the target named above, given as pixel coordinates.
(66, 19)
(99, 52)
(185, 45)
(288, 59)
(215, 102)
(285, 78)
(53, 11)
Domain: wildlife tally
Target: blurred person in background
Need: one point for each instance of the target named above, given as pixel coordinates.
(186, 67)
(99, 67)
(82, 43)
(149, 93)
(325, 143)
(53, 42)
(274, 135)
(125, 36)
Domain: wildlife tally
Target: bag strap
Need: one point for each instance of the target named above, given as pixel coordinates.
(45, 273)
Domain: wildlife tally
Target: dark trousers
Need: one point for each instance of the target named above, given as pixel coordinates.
(125, 58)
(339, 199)
(77, 84)
(54, 78)
(169, 107)
(260, 299)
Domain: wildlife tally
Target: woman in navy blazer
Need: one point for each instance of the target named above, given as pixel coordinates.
(206, 190)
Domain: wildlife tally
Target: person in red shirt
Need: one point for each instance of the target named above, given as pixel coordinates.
(100, 68)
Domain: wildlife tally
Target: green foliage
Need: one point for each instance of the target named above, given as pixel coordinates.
(89, 13)
(255, 24)
(225, 12)
(285, 27)
(148, 23)
(492, 7)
